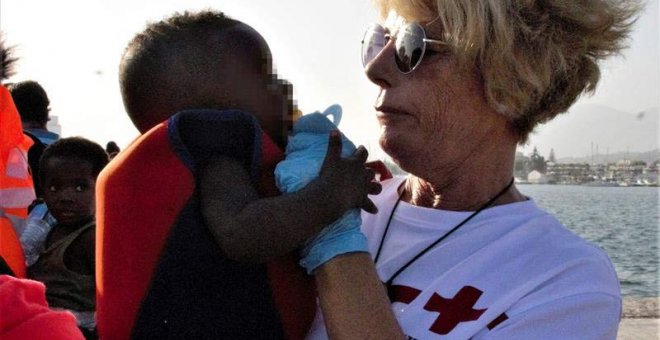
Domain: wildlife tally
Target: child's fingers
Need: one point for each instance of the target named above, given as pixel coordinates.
(374, 188)
(361, 154)
(334, 148)
(369, 206)
(371, 174)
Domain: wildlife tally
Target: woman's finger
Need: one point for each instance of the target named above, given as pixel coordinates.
(381, 169)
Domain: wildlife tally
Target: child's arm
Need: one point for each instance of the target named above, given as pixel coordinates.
(249, 228)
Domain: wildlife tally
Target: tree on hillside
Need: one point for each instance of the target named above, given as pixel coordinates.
(551, 157)
(538, 162)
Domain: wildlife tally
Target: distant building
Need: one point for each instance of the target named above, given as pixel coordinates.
(624, 172)
(535, 177)
(568, 173)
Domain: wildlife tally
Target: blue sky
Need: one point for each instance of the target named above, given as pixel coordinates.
(72, 48)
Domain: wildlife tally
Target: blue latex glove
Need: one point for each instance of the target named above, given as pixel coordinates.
(305, 153)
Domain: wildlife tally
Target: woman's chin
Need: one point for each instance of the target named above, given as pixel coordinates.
(393, 146)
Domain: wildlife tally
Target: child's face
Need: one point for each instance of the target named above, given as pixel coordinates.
(69, 190)
(260, 91)
(271, 103)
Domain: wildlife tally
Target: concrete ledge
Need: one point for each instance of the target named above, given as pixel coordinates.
(639, 329)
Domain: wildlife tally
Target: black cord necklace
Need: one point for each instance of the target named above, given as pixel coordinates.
(388, 283)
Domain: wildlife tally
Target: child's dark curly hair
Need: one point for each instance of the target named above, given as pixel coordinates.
(78, 148)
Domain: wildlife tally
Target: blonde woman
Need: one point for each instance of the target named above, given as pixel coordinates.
(459, 252)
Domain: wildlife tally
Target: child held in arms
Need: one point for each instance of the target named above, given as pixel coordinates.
(215, 242)
(68, 172)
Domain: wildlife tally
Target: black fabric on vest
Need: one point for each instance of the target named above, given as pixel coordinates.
(197, 293)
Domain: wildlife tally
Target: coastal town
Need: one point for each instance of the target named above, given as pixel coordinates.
(535, 169)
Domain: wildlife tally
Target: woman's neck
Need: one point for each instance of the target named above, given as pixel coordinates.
(424, 194)
(465, 188)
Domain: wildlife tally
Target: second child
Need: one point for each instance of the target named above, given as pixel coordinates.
(68, 171)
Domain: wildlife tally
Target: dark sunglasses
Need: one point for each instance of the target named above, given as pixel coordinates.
(409, 40)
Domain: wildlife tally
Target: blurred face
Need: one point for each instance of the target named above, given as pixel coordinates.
(69, 187)
(269, 99)
(255, 88)
(436, 115)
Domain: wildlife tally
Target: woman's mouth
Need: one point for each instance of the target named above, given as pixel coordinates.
(386, 114)
(384, 110)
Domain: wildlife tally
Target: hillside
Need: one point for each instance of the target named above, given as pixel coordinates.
(590, 129)
(648, 157)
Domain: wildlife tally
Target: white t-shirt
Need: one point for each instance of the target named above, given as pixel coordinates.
(512, 272)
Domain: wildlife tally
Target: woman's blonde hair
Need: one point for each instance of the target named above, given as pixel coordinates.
(535, 56)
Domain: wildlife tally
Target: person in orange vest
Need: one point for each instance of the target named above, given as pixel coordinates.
(16, 186)
(23, 307)
(33, 106)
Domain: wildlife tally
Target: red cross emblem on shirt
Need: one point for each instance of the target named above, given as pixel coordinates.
(455, 310)
(452, 311)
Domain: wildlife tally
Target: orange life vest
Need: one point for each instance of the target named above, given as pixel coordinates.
(16, 186)
(159, 272)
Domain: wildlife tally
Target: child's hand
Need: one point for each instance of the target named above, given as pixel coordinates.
(350, 181)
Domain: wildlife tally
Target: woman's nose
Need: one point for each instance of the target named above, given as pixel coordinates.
(382, 69)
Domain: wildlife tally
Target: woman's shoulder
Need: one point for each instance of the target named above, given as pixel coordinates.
(561, 255)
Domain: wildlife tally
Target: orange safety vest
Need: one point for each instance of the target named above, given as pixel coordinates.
(10, 248)
(16, 186)
(150, 228)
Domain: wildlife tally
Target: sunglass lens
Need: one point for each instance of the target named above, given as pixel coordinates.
(409, 47)
(373, 43)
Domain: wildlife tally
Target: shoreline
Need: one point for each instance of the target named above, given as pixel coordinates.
(586, 184)
(640, 307)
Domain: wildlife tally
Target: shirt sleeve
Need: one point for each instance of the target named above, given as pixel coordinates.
(584, 316)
